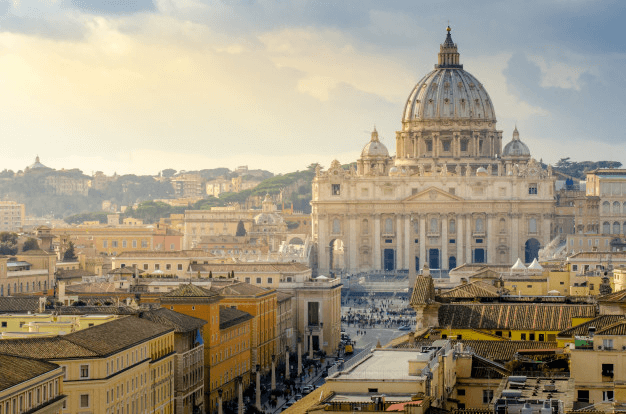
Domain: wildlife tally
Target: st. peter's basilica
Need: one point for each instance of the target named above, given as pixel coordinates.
(450, 195)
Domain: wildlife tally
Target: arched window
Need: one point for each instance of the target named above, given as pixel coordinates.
(434, 227)
(336, 226)
(532, 225)
(606, 227)
(616, 229)
(624, 207)
(365, 226)
(452, 227)
(502, 225)
(480, 225)
(22, 287)
(617, 207)
(388, 226)
(606, 207)
(27, 286)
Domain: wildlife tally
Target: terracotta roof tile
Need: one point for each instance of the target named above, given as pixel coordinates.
(618, 328)
(16, 370)
(619, 296)
(178, 321)
(19, 304)
(423, 291)
(599, 323)
(476, 289)
(231, 317)
(190, 290)
(512, 316)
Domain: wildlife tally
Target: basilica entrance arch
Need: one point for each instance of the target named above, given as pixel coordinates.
(531, 249)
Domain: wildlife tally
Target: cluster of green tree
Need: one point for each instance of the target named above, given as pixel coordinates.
(577, 169)
(8, 243)
(100, 216)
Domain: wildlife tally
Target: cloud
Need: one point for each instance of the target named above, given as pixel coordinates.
(113, 6)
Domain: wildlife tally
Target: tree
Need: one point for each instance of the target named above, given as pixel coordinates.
(241, 229)
(30, 244)
(70, 254)
(168, 172)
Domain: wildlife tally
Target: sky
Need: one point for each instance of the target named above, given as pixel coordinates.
(137, 86)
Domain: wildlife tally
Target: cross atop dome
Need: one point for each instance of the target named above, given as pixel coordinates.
(448, 53)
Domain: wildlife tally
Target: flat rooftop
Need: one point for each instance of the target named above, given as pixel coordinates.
(385, 364)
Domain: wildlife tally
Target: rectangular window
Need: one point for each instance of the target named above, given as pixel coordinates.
(607, 395)
(134, 244)
(180, 267)
(460, 391)
(114, 243)
(607, 370)
(84, 371)
(531, 336)
(607, 343)
(172, 246)
(123, 243)
(4, 324)
(452, 241)
(269, 280)
(487, 396)
(84, 401)
(583, 396)
(532, 188)
(247, 280)
(336, 189)
(168, 267)
(105, 243)
(145, 266)
(157, 266)
(258, 280)
(144, 244)
(313, 313)
(523, 337)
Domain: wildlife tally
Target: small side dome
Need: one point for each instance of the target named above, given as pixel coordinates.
(393, 170)
(374, 148)
(516, 148)
(481, 171)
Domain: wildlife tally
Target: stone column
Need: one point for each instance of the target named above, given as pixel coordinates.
(468, 239)
(352, 264)
(399, 244)
(444, 242)
(459, 239)
(299, 358)
(219, 401)
(422, 240)
(240, 396)
(377, 261)
(273, 372)
(322, 240)
(515, 237)
(491, 239)
(287, 363)
(408, 241)
(258, 388)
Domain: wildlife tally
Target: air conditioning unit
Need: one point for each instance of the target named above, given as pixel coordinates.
(599, 346)
(623, 347)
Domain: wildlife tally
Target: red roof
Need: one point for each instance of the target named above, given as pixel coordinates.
(400, 406)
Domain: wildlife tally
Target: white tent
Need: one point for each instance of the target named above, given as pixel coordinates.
(518, 265)
(535, 265)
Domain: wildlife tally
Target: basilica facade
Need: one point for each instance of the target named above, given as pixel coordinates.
(450, 195)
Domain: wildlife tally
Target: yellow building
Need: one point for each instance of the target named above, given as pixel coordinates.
(31, 271)
(124, 364)
(599, 365)
(218, 345)
(164, 262)
(30, 325)
(28, 385)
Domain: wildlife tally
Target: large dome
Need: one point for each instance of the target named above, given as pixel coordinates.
(449, 93)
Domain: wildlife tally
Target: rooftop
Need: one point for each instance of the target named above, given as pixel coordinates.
(166, 317)
(230, 317)
(16, 370)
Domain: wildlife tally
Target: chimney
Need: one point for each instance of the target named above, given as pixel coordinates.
(592, 331)
(464, 281)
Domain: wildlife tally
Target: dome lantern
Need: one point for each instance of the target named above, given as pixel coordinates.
(448, 53)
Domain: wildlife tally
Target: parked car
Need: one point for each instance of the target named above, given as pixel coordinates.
(290, 402)
(404, 328)
(297, 397)
(307, 389)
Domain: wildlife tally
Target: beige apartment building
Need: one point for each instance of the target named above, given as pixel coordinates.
(598, 363)
(124, 364)
(12, 215)
(176, 263)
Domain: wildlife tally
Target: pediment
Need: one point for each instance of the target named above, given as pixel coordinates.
(433, 194)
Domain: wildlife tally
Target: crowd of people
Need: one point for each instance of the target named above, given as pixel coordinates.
(370, 312)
